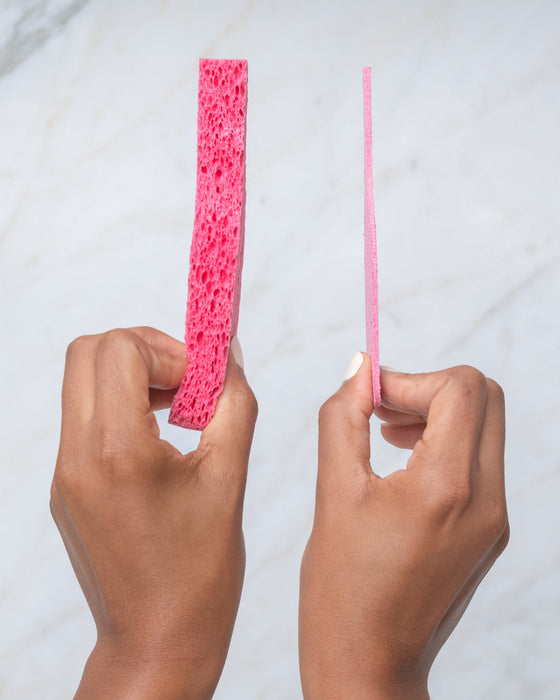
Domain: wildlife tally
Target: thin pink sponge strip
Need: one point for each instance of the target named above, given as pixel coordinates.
(372, 314)
(218, 239)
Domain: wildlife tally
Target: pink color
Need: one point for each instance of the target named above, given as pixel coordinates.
(218, 238)
(372, 316)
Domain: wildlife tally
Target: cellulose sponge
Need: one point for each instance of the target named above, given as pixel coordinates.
(217, 244)
(372, 314)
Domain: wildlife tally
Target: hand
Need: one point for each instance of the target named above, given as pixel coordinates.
(154, 536)
(393, 562)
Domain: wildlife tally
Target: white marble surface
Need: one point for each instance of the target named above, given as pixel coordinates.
(97, 174)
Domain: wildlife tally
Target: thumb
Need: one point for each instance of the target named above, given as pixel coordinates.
(230, 432)
(344, 448)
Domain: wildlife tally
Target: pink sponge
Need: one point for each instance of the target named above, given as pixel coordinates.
(217, 242)
(372, 322)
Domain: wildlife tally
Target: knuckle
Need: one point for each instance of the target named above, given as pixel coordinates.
(253, 406)
(53, 508)
(117, 339)
(241, 402)
(503, 540)
(324, 412)
(53, 492)
(147, 331)
(249, 401)
(495, 392)
(450, 498)
(469, 381)
(63, 472)
(67, 478)
(497, 521)
(79, 347)
(334, 408)
(116, 452)
(56, 509)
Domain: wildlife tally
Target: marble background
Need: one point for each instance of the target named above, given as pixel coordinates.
(97, 177)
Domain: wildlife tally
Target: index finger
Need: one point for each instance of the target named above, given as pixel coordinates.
(454, 401)
(78, 385)
(160, 340)
(126, 367)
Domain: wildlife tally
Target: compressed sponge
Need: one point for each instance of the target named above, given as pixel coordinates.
(218, 238)
(372, 314)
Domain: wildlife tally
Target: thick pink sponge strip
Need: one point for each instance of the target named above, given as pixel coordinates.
(372, 316)
(217, 242)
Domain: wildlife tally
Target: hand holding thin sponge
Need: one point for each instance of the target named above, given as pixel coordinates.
(216, 257)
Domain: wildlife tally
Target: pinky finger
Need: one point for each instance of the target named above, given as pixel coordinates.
(403, 436)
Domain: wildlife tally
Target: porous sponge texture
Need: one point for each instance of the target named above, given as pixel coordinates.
(217, 244)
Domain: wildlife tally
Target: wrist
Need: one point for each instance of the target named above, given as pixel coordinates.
(370, 691)
(110, 672)
(336, 684)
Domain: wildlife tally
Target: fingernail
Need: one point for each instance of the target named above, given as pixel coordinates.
(237, 352)
(388, 369)
(354, 366)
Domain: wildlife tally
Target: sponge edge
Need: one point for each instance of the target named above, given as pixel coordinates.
(370, 240)
(216, 258)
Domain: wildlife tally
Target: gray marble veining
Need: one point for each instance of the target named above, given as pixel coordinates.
(25, 25)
